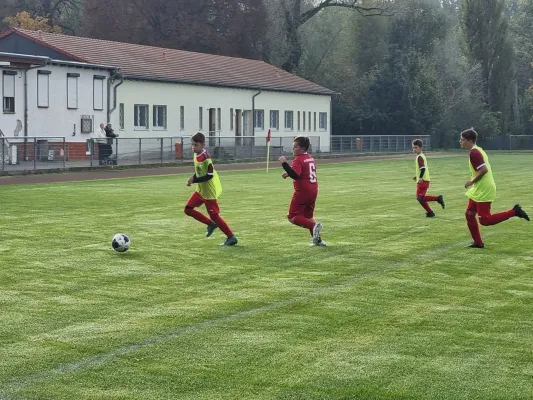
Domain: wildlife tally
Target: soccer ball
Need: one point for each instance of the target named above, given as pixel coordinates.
(121, 242)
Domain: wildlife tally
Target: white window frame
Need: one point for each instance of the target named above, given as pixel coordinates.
(323, 121)
(259, 119)
(158, 125)
(274, 120)
(136, 118)
(8, 102)
(72, 79)
(289, 117)
(43, 84)
(98, 96)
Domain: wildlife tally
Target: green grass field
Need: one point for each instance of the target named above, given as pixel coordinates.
(394, 308)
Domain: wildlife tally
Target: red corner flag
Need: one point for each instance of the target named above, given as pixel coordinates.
(268, 136)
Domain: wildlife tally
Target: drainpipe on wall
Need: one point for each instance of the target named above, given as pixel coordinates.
(114, 74)
(253, 112)
(26, 107)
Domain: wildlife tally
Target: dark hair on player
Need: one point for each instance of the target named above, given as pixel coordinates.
(303, 142)
(418, 142)
(469, 134)
(198, 137)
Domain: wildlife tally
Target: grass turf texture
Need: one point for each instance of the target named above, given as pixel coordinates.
(394, 308)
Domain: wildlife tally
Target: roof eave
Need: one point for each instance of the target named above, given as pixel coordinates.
(326, 92)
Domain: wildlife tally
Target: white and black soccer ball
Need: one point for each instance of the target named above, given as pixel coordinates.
(121, 242)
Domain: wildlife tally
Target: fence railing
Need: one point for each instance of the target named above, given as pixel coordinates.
(34, 153)
(376, 144)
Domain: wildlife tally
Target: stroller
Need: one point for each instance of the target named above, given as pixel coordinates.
(106, 156)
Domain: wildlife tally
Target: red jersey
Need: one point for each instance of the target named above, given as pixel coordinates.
(304, 166)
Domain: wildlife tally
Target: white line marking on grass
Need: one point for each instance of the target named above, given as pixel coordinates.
(95, 361)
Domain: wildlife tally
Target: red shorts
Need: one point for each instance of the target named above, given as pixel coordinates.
(422, 188)
(482, 209)
(302, 206)
(197, 200)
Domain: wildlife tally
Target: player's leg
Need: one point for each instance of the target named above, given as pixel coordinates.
(214, 213)
(309, 212)
(296, 214)
(421, 190)
(196, 201)
(471, 221)
(486, 218)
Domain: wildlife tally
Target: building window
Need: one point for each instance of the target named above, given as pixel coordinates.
(219, 119)
(9, 91)
(43, 89)
(323, 121)
(160, 117)
(182, 118)
(72, 91)
(121, 116)
(309, 125)
(299, 121)
(303, 119)
(200, 118)
(289, 120)
(87, 123)
(98, 92)
(231, 119)
(140, 116)
(314, 121)
(274, 119)
(259, 119)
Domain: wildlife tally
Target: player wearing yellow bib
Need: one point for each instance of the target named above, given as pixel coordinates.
(422, 179)
(207, 191)
(482, 191)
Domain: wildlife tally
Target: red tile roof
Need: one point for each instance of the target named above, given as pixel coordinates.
(156, 63)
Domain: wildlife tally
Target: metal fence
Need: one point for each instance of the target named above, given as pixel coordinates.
(364, 144)
(41, 153)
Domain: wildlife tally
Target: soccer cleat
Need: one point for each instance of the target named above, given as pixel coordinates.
(320, 243)
(430, 214)
(316, 232)
(440, 200)
(231, 241)
(210, 229)
(520, 213)
(475, 246)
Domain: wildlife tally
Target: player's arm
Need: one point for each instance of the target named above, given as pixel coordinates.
(478, 162)
(288, 169)
(421, 167)
(205, 178)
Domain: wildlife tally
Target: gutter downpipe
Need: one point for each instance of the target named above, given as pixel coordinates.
(253, 112)
(110, 81)
(26, 106)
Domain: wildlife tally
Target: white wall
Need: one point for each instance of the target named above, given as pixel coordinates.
(192, 97)
(56, 120)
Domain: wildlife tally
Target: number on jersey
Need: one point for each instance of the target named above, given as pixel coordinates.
(312, 172)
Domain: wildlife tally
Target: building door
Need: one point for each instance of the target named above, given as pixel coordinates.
(247, 121)
(238, 127)
(212, 127)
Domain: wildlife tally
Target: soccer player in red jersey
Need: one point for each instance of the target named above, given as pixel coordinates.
(303, 172)
(422, 179)
(482, 191)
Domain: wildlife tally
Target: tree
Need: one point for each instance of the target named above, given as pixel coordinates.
(291, 15)
(24, 20)
(485, 30)
(221, 27)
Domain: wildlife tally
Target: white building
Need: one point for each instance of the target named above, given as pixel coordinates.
(55, 84)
